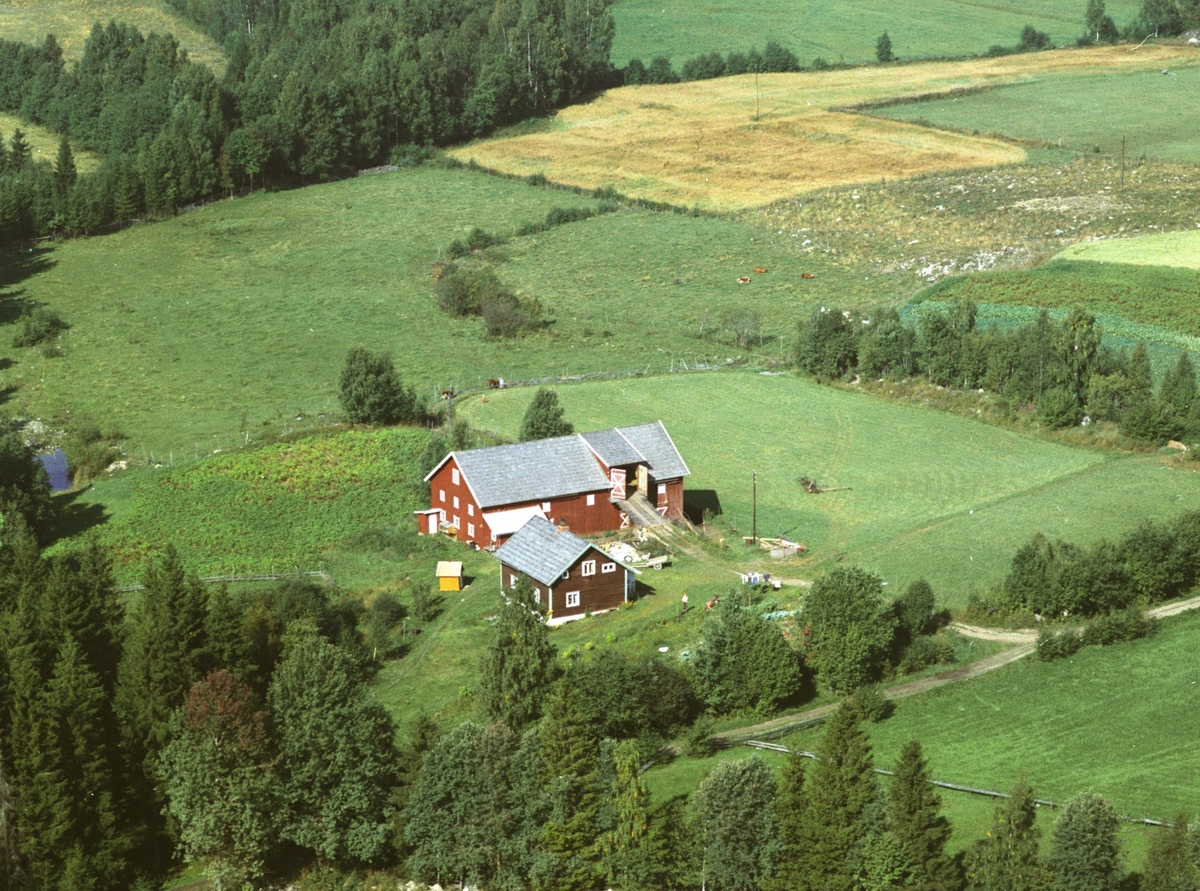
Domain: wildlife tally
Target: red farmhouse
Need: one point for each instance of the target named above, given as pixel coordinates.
(588, 482)
(570, 576)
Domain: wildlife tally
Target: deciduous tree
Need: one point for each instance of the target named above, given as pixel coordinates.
(518, 667)
(849, 630)
(544, 417)
(1085, 854)
(371, 392)
(736, 803)
(1007, 859)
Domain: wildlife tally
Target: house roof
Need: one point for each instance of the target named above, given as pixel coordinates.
(563, 465)
(529, 471)
(506, 522)
(540, 551)
(449, 569)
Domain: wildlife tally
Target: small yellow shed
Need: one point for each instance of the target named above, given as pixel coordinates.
(450, 576)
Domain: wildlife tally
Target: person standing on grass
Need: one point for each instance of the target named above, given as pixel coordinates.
(683, 605)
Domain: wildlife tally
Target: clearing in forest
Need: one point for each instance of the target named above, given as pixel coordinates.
(70, 21)
(44, 143)
(1178, 249)
(742, 141)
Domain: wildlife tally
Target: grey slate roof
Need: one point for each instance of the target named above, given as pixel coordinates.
(613, 448)
(653, 441)
(531, 471)
(540, 551)
(564, 465)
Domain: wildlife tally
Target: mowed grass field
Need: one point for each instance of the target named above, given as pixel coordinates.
(1153, 295)
(1083, 113)
(733, 142)
(931, 495)
(44, 143)
(249, 322)
(1176, 249)
(840, 31)
(70, 21)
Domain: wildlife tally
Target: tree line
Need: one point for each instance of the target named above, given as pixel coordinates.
(311, 90)
(1063, 369)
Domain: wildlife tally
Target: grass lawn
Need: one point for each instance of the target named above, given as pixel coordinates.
(1079, 112)
(840, 31)
(70, 21)
(933, 495)
(249, 323)
(1176, 249)
(740, 142)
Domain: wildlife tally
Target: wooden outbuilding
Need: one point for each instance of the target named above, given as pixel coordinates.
(589, 482)
(450, 575)
(571, 577)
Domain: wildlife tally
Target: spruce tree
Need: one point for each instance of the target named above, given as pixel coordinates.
(65, 173)
(518, 667)
(625, 850)
(1141, 379)
(223, 631)
(837, 792)
(914, 818)
(1085, 854)
(1179, 388)
(789, 815)
(544, 417)
(1169, 864)
(19, 151)
(1007, 859)
(569, 765)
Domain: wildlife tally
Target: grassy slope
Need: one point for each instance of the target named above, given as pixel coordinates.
(249, 322)
(1153, 295)
(1079, 112)
(70, 21)
(926, 28)
(1175, 249)
(933, 495)
(44, 143)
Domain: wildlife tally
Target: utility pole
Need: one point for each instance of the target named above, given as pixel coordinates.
(754, 514)
(756, 91)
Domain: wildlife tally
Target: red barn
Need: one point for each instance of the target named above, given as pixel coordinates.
(570, 576)
(588, 482)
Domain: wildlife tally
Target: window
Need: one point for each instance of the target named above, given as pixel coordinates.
(441, 494)
(546, 507)
(589, 567)
(470, 530)
(572, 599)
(456, 502)
(662, 488)
(591, 499)
(454, 476)
(537, 595)
(512, 579)
(567, 574)
(470, 509)
(457, 523)
(609, 567)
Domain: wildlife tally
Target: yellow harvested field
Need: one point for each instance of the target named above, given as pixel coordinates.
(70, 21)
(44, 144)
(701, 143)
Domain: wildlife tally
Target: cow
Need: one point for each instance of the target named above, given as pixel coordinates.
(713, 602)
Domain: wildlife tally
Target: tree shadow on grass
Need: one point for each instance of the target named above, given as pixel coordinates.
(73, 518)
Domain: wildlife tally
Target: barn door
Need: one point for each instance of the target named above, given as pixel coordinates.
(433, 524)
(617, 476)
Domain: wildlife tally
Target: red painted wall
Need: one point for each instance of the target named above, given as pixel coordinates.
(602, 591)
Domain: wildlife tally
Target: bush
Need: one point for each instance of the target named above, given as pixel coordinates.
(1032, 39)
(506, 315)
(462, 290)
(38, 326)
(871, 702)
(1058, 645)
(926, 651)
(635, 73)
(883, 48)
(1117, 627)
(704, 67)
(660, 72)
(371, 392)
(477, 240)
(776, 58)
(89, 450)
(914, 610)
(1058, 408)
(699, 742)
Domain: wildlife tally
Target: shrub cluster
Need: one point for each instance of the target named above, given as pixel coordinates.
(1152, 562)
(1061, 368)
(773, 58)
(371, 391)
(89, 450)
(476, 290)
(38, 326)
(1116, 627)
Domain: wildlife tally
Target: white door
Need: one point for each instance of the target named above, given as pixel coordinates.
(617, 476)
(433, 523)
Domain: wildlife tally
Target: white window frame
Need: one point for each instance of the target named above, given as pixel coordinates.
(457, 524)
(470, 509)
(545, 507)
(588, 567)
(662, 488)
(591, 499)
(456, 502)
(567, 574)
(512, 579)
(572, 599)
(537, 595)
(454, 476)
(470, 530)
(441, 494)
(608, 567)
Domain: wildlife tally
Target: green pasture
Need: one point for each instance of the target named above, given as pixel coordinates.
(44, 143)
(1084, 112)
(1132, 302)
(841, 31)
(1176, 249)
(932, 495)
(247, 324)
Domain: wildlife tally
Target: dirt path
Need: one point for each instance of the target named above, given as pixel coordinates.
(1174, 609)
(1015, 636)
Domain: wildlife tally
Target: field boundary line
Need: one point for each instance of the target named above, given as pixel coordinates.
(261, 577)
